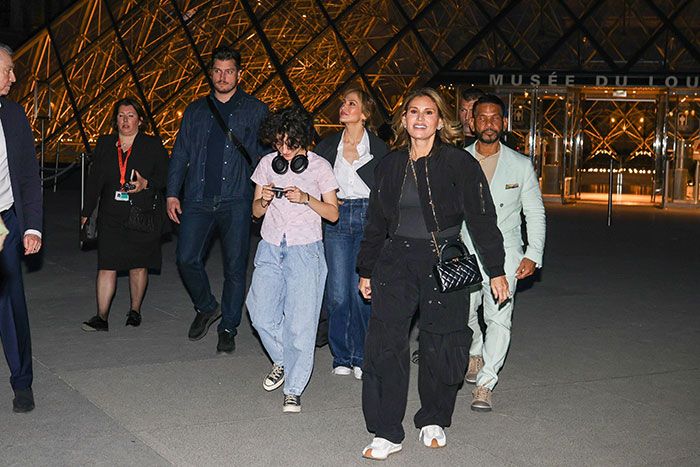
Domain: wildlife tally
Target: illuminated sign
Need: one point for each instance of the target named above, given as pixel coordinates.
(566, 79)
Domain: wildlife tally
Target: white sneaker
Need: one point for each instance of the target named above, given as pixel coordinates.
(342, 371)
(380, 449)
(433, 436)
(357, 372)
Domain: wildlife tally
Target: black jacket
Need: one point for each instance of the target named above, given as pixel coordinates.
(328, 149)
(148, 156)
(460, 193)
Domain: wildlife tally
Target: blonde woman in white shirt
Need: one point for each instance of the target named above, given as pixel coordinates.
(353, 153)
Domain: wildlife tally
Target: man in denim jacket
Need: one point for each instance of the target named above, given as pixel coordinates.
(217, 194)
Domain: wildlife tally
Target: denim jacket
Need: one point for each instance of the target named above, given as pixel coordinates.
(189, 156)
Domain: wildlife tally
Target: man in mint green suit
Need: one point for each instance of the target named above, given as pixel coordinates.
(514, 188)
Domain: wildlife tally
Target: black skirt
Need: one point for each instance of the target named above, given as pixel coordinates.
(122, 249)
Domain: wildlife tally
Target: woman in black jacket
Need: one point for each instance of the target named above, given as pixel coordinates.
(129, 168)
(354, 154)
(425, 185)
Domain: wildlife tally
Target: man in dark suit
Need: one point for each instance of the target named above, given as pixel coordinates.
(21, 210)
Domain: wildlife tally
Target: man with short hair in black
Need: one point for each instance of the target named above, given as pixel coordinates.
(211, 165)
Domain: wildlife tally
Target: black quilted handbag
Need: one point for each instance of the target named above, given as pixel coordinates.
(458, 272)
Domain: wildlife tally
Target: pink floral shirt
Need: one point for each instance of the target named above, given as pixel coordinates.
(298, 222)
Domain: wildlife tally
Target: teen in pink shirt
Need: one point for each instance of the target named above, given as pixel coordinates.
(294, 189)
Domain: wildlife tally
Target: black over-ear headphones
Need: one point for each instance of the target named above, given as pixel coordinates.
(298, 164)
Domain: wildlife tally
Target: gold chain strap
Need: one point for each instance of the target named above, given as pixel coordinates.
(430, 199)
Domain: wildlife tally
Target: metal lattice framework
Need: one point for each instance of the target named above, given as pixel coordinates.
(307, 51)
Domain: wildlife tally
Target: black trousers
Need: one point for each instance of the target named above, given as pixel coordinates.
(402, 283)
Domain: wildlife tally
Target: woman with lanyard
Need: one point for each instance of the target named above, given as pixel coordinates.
(424, 190)
(354, 154)
(129, 169)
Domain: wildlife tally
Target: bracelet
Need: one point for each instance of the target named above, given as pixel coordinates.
(308, 200)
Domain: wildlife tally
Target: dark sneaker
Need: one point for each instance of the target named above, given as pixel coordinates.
(23, 401)
(95, 324)
(274, 379)
(201, 324)
(133, 318)
(227, 341)
(292, 404)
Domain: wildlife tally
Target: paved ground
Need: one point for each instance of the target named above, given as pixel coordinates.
(604, 367)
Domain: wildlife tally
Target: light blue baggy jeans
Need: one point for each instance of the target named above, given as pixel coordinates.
(284, 301)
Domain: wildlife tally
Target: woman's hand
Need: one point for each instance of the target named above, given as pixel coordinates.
(267, 194)
(295, 195)
(139, 183)
(365, 287)
(83, 220)
(499, 288)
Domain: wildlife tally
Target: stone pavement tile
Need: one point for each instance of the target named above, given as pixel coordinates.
(329, 437)
(65, 429)
(581, 424)
(180, 393)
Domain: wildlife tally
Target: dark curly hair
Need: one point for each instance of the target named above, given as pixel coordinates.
(292, 125)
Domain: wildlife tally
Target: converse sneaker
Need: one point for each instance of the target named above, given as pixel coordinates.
(274, 379)
(482, 399)
(342, 371)
(476, 363)
(380, 448)
(433, 436)
(292, 404)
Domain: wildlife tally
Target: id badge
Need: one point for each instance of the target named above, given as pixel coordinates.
(121, 196)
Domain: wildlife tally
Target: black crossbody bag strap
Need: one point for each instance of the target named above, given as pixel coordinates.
(229, 133)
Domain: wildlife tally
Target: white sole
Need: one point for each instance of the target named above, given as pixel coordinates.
(272, 388)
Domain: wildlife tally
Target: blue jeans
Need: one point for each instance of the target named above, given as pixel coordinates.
(284, 302)
(197, 224)
(348, 312)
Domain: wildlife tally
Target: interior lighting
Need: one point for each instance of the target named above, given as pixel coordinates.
(612, 119)
(641, 119)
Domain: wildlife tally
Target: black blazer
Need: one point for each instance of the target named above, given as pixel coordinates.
(23, 166)
(328, 149)
(460, 192)
(148, 156)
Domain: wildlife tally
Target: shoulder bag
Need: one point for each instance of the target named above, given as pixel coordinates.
(455, 273)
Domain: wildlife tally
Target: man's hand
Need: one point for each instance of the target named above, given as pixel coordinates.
(526, 268)
(32, 244)
(174, 209)
(365, 287)
(499, 288)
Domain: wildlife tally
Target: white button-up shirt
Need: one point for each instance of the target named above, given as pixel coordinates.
(351, 185)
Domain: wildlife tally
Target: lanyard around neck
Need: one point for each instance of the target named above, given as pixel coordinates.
(123, 161)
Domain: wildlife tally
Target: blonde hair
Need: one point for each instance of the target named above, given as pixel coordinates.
(450, 132)
(369, 107)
